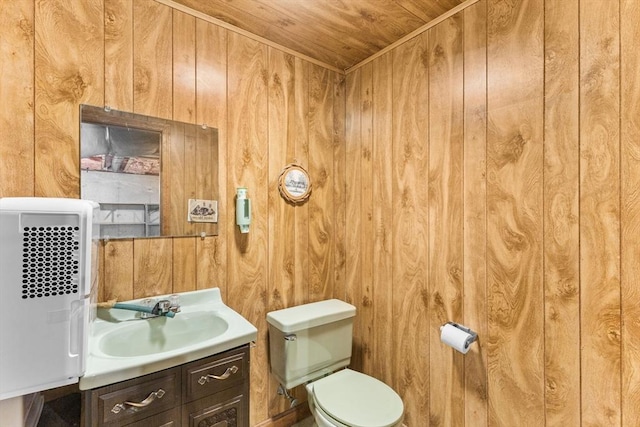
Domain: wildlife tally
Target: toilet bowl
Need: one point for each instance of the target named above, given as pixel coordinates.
(351, 399)
(311, 344)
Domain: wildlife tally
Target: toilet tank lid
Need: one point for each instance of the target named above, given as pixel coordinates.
(306, 316)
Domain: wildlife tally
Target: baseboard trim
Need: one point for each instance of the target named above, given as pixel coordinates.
(287, 418)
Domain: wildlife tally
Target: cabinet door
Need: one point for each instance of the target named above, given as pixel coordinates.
(225, 409)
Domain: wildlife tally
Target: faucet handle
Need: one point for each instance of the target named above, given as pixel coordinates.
(174, 303)
(162, 307)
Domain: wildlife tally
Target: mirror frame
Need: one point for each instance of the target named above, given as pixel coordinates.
(176, 139)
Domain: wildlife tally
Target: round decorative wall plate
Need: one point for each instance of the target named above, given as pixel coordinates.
(294, 183)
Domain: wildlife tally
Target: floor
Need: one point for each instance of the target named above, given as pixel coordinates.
(307, 422)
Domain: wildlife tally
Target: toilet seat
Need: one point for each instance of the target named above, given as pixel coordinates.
(358, 400)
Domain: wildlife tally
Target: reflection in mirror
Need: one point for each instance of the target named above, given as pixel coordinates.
(120, 168)
(146, 172)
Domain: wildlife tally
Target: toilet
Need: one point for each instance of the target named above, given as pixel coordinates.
(311, 344)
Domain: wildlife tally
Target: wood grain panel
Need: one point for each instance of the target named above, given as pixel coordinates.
(339, 195)
(16, 86)
(630, 210)
(382, 157)
(337, 33)
(210, 265)
(200, 174)
(600, 212)
(248, 166)
(184, 67)
(514, 212)
(118, 279)
(152, 60)
(211, 110)
(118, 54)
(279, 19)
(68, 71)
(279, 33)
(445, 217)
(475, 210)
(282, 148)
(428, 10)
(211, 75)
(343, 23)
(353, 248)
(365, 305)
(561, 214)
(174, 183)
(190, 177)
(206, 159)
(98, 296)
(184, 260)
(299, 131)
(192, 150)
(152, 267)
(321, 205)
(411, 227)
(284, 116)
(282, 252)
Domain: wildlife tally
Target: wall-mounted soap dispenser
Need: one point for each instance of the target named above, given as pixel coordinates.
(243, 209)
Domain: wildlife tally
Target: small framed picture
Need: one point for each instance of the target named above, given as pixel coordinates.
(202, 210)
(294, 184)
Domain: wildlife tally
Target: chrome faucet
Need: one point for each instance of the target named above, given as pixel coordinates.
(163, 307)
(148, 308)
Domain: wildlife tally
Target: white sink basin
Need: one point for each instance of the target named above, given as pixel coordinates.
(160, 334)
(122, 346)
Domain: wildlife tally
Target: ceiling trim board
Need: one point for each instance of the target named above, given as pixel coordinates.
(205, 17)
(413, 34)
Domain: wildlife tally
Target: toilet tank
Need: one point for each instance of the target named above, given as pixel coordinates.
(309, 341)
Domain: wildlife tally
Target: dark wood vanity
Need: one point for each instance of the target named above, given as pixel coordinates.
(207, 392)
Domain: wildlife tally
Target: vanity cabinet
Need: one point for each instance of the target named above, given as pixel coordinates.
(206, 392)
(215, 390)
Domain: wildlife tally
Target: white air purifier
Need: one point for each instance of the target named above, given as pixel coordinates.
(48, 268)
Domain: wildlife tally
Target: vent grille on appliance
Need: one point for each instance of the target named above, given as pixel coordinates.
(50, 261)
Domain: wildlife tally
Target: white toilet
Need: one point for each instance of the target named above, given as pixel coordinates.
(311, 343)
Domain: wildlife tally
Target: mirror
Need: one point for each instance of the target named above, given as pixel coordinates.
(152, 177)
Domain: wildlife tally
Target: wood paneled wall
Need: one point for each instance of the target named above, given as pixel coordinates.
(485, 171)
(270, 108)
(494, 162)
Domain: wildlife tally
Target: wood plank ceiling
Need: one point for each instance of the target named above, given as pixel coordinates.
(340, 33)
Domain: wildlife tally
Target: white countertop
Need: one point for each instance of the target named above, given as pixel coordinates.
(103, 369)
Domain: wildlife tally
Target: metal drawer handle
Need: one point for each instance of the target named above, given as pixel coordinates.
(146, 402)
(206, 378)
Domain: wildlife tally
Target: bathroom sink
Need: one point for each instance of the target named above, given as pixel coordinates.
(122, 345)
(160, 334)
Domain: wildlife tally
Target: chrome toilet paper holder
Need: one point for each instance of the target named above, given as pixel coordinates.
(473, 336)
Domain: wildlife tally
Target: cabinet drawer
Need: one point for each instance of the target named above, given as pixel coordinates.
(210, 375)
(134, 400)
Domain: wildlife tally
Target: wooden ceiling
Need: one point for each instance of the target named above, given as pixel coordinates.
(340, 33)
